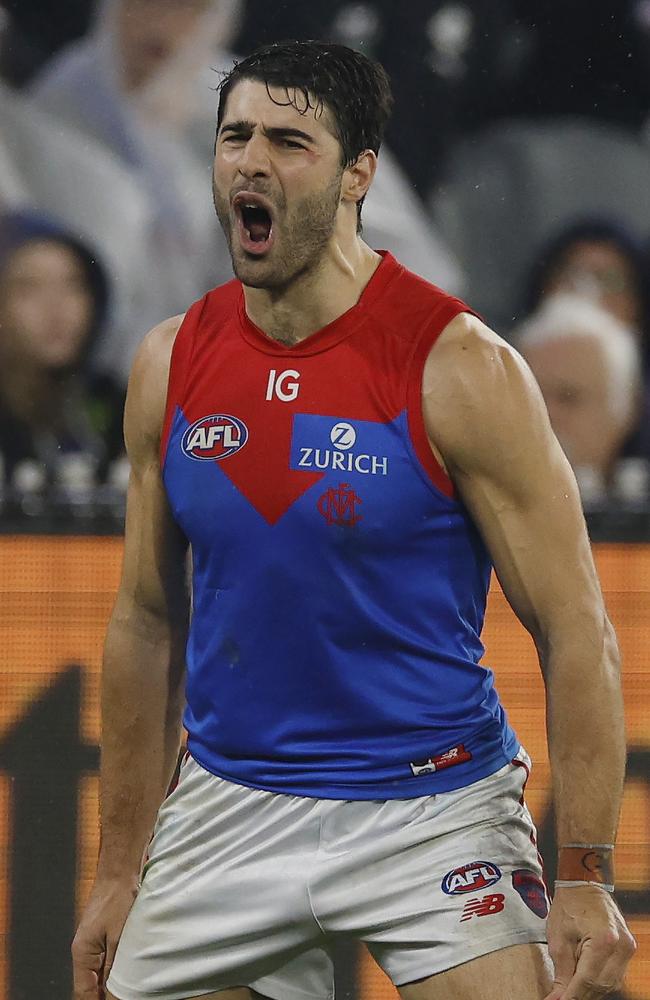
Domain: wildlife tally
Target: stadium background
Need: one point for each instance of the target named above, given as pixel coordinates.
(55, 600)
(58, 575)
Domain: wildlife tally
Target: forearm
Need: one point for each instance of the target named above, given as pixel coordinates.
(142, 697)
(586, 734)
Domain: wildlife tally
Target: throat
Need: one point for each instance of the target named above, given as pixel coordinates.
(284, 334)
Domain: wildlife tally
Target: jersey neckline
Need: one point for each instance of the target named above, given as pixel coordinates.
(330, 335)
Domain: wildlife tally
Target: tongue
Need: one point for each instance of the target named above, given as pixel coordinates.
(259, 231)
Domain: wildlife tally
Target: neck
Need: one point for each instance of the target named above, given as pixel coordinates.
(317, 297)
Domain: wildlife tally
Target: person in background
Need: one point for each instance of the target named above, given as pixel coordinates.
(55, 414)
(597, 259)
(588, 366)
(600, 260)
(109, 86)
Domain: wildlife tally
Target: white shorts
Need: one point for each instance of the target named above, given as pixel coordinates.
(244, 887)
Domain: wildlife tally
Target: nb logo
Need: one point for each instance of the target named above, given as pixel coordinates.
(484, 907)
(343, 436)
(281, 386)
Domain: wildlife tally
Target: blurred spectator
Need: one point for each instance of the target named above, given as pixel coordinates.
(601, 260)
(511, 187)
(588, 366)
(97, 200)
(59, 424)
(110, 87)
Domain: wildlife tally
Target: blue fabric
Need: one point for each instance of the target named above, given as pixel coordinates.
(324, 659)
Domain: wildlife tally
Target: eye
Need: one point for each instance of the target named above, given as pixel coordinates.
(292, 144)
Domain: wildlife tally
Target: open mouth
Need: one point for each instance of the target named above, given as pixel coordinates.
(255, 224)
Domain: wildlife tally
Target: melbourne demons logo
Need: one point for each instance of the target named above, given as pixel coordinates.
(214, 437)
(339, 506)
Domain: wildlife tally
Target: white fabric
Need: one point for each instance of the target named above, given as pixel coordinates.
(243, 887)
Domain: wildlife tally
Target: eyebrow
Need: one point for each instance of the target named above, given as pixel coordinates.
(272, 133)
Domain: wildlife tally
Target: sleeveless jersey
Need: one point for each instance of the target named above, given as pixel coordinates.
(339, 585)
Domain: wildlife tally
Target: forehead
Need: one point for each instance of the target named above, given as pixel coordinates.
(40, 256)
(577, 359)
(277, 107)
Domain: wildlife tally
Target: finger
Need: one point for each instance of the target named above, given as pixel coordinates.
(596, 974)
(563, 956)
(86, 984)
(108, 962)
(86, 969)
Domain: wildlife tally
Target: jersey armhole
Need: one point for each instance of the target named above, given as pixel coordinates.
(435, 475)
(179, 366)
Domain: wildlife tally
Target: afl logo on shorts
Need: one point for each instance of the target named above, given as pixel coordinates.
(215, 437)
(470, 878)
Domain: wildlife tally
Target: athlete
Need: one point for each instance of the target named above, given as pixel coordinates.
(346, 451)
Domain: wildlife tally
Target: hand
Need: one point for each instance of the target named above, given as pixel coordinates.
(95, 942)
(589, 944)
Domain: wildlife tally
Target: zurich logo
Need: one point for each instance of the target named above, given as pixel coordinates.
(215, 437)
(343, 436)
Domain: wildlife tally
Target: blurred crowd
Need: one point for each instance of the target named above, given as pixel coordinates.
(515, 174)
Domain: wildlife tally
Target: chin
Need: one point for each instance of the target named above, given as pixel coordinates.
(258, 274)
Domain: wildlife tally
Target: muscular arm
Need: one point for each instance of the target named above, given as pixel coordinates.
(486, 417)
(488, 424)
(142, 680)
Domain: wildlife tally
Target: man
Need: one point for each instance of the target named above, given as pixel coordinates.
(588, 367)
(340, 441)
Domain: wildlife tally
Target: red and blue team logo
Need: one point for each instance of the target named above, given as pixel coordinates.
(215, 437)
(532, 890)
(470, 878)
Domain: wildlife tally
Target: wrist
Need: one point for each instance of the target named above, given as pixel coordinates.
(568, 884)
(586, 864)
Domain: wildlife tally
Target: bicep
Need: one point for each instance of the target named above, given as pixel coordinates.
(154, 576)
(512, 475)
(535, 533)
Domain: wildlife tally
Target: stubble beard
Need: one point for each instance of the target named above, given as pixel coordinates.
(301, 237)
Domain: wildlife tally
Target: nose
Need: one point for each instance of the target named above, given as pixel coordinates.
(254, 159)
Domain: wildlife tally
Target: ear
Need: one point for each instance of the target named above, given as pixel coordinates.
(358, 178)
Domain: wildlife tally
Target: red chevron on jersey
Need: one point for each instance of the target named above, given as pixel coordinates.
(338, 584)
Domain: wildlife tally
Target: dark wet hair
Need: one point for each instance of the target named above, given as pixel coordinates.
(590, 230)
(317, 75)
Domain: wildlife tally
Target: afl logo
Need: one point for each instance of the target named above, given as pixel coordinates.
(470, 878)
(343, 436)
(215, 437)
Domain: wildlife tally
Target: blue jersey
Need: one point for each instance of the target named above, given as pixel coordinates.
(339, 584)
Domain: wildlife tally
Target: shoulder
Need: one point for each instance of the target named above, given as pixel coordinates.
(417, 309)
(467, 349)
(479, 396)
(147, 391)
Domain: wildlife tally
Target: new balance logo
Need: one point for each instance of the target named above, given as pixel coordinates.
(494, 903)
